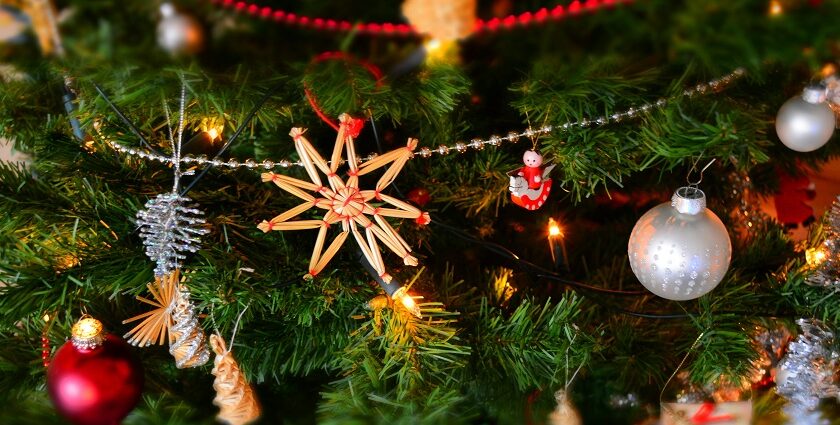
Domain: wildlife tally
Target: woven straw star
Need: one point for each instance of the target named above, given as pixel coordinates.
(344, 202)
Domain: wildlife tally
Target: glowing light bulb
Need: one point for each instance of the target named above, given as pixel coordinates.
(46, 317)
(815, 256)
(554, 229)
(557, 237)
(432, 45)
(441, 51)
(407, 301)
(213, 126)
(776, 8)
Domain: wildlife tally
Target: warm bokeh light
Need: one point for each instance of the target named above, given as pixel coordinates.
(776, 8)
(213, 126)
(554, 229)
(815, 256)
(828, 70)
(501, 284)
(441, 52)
(407, 301)
(432, 45)
(66, 262)
(46, 317)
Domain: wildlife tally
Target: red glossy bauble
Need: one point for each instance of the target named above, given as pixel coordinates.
(96, 386)
(419, 196)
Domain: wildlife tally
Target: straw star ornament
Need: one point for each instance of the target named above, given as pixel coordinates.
(345, 202)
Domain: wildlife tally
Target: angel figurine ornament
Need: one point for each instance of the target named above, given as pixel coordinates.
(530, 185)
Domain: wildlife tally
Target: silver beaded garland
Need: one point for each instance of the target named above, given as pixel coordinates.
(806, 123)
(680, 250)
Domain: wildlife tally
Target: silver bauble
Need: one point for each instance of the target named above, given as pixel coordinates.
(177, 33)
(680, 250)
(805, 123)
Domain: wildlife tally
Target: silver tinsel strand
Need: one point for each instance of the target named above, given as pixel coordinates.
(748, 215)
(170, 226)
(807, 373)
(827, 273)
(190, 345)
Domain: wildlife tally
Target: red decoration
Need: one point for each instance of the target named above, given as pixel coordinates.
(419, 196)
(532, 171)
(45, 351)
(390, 29)
(792, 208)
(98, 385)
(357, 125)
(766, 382)
(423, 220)
(705, 415)
(530, 185)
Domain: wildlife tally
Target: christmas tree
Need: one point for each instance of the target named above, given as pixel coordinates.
(434, 212)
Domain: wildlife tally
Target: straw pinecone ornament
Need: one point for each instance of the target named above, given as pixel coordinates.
(237, 402)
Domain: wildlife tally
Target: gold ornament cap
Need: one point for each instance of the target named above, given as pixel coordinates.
(87, 333)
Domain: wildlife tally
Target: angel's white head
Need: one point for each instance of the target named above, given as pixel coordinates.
(532, 159)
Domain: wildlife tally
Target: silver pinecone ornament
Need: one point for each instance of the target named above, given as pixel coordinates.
(170, 226)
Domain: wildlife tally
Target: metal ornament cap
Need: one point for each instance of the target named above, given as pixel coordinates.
(87, 333)
(680, 250)
(689, 200)
(814, 93)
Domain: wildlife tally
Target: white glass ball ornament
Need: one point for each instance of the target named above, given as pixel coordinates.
(806, 123)
(177, 33)
(680, 250)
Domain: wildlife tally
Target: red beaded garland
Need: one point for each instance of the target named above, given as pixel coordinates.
(393, 29)
(45, 350)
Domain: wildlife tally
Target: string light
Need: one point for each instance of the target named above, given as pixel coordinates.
(407, 301)
(392, 288)
(815, 256)
(432, 45)
(557, 237)
(554, 229)
(212, 126)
